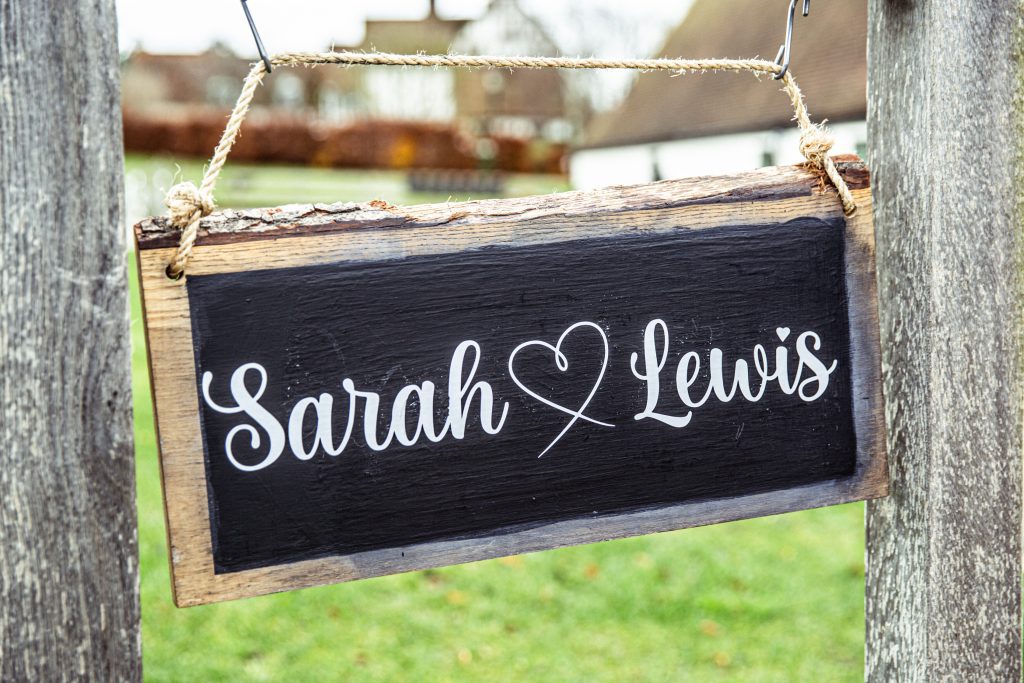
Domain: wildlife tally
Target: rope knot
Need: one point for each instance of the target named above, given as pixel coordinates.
(186, 203)
(815, 143)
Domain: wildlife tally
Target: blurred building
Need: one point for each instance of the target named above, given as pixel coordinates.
(181, 83)
(406, 93)
(673, 126)
(522, 104)
(157, 81)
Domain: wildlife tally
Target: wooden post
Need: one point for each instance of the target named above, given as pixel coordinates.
(69, 604)
(944, 551)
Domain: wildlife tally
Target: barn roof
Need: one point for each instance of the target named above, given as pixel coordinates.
(829, 63)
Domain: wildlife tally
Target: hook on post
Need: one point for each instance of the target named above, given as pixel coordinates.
(782, 59)
(259, 42)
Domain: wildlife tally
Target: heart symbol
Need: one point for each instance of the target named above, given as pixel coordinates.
(562, 363)
(783, 332)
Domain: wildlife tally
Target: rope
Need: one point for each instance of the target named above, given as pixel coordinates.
(188, 204)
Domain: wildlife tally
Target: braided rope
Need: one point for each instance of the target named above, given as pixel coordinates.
(188, 204)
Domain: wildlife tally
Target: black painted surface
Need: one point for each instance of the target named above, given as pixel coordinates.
(391, 323)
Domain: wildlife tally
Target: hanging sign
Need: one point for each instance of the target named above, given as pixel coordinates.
(349, 391)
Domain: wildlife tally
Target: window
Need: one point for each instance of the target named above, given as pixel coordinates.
(289, 91)
(862, 150)
(222, 90)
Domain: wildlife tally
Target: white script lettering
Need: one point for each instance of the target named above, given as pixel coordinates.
(688, 373)
(462, 391)
(411, 417)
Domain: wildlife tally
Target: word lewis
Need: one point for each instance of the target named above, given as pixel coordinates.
(379, 395)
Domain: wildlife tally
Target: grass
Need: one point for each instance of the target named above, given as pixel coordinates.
(775, 599)
(243, 186)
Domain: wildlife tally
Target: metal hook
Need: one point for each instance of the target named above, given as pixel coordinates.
(782, 59)
(259, 42)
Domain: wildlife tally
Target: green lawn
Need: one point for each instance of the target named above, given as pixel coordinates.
(241, 185)
(777, 599)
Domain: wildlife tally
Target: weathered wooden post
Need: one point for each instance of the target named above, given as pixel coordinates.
(944, 551)
(69, 605)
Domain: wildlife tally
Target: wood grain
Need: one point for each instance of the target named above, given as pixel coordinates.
(687, 196)
(944, 552)
(310, 327)
(69, 563)
(296, 236)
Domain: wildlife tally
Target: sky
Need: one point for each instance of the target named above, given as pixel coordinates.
(310, 25)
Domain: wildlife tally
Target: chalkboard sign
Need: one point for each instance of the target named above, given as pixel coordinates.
(348, 391)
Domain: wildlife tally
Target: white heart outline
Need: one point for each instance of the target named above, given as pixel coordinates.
(562, 363)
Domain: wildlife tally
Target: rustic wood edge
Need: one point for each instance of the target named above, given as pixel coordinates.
(176, 402)
(866, 348)
(156, 423)
(301, 219)
(577, 532)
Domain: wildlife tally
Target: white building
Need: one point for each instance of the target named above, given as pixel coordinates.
(514, 103)
(522, 103)
(674, 126)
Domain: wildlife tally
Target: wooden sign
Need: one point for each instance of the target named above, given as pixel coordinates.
(349, 391)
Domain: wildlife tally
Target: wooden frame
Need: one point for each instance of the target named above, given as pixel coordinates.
(324, 234)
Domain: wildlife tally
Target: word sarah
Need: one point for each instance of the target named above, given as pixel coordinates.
(463, 391)
(460, 396)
